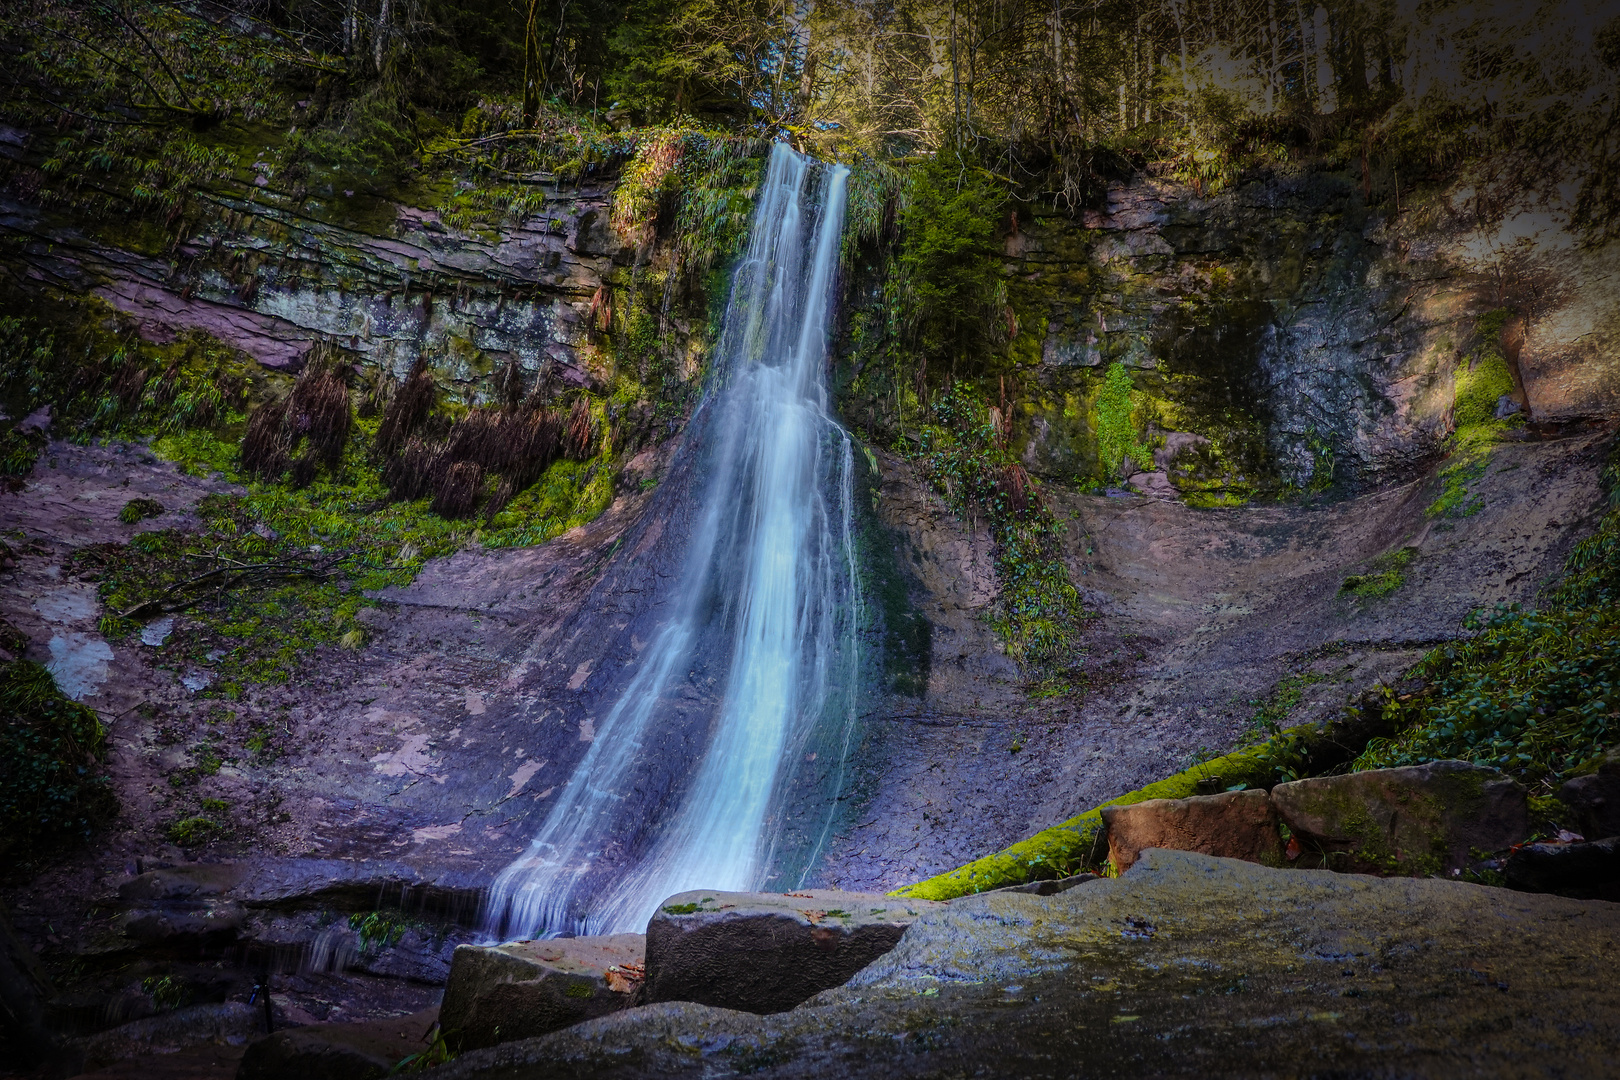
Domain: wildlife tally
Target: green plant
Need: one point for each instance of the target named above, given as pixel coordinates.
(53, 794)
(1117, 441)
(378, 929)
(139, 510)
(965, 457)
(1384, 575)
(166, 991)
(1533, 692)
(193, 831)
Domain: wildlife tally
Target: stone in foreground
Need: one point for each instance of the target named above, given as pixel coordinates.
(1234, 825)
(525, 988)
(1587, 870)
(766, 952)
(1187, 966)
(1595, 798)
(1417, 820)
(360, 1051)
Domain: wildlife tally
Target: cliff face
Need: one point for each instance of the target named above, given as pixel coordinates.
(385, 280)
(1285, 329)
(1278, 337)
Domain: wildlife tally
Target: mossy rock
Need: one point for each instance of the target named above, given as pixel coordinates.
(1415, 821)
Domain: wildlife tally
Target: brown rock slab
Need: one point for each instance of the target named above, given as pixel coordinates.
(525, 988)
(358, 1051)
(767, 952)
(1417, 820)
(1233, 825)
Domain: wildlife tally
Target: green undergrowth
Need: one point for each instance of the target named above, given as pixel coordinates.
(53, 792)
(1271, 711)
(318, 550)
(963, 454)
(1533, 692)
(282, 566)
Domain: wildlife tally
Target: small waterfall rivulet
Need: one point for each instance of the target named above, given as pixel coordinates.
(770, 569)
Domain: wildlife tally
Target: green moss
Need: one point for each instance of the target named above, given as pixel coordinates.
(1080, 842)
(1386, 574)
(378, 929)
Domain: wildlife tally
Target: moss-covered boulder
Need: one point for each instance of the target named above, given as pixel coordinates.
(1417, 821)
(1233, 824)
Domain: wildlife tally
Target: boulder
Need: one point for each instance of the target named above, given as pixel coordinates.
(1188, 966)
(766, 952)
(1418, 820)
(1595, 798)
(359, 1051)
(1233, 824)
(497, 993)
(1050, 887)
(232, 1023)
(1590, 870)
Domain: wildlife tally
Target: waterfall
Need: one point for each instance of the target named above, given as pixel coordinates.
(769, 569)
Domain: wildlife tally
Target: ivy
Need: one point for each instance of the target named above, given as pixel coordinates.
(1535, 692)
(53, 793)
(963, 454)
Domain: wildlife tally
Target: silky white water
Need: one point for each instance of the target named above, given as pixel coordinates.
(771, 550)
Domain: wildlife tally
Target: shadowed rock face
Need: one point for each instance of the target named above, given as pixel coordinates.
(1186, 966)
(767, 952)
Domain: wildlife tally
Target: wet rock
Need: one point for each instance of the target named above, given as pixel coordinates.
(360, 1051)
(766, 952)
(1595, 798)
(1589, 870)
(183, 919)
(1187, 966)
(1416, 820)
(1233, 824)
(526, 988)
(1049, 888)
(232, 1023)
(180, 882)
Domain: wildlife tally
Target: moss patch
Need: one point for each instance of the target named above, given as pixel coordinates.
(1386, 574)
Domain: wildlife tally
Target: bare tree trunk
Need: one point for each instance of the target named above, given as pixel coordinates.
(1276, 56)
(1327, 92)
(351, 27)
(380, 38)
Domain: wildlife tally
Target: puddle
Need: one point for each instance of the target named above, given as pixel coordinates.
(196, 680)
(79, 663)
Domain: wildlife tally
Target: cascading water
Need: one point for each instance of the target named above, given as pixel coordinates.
(770, 567)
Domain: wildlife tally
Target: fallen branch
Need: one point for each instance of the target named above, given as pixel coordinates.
(229, 575)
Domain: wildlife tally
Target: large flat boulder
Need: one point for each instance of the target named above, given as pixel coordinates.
(766, 952)
(1233, 824)
(525, 988)
(1186, 966)
(1417, 820)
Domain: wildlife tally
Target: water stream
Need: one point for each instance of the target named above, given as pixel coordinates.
(770, 569)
